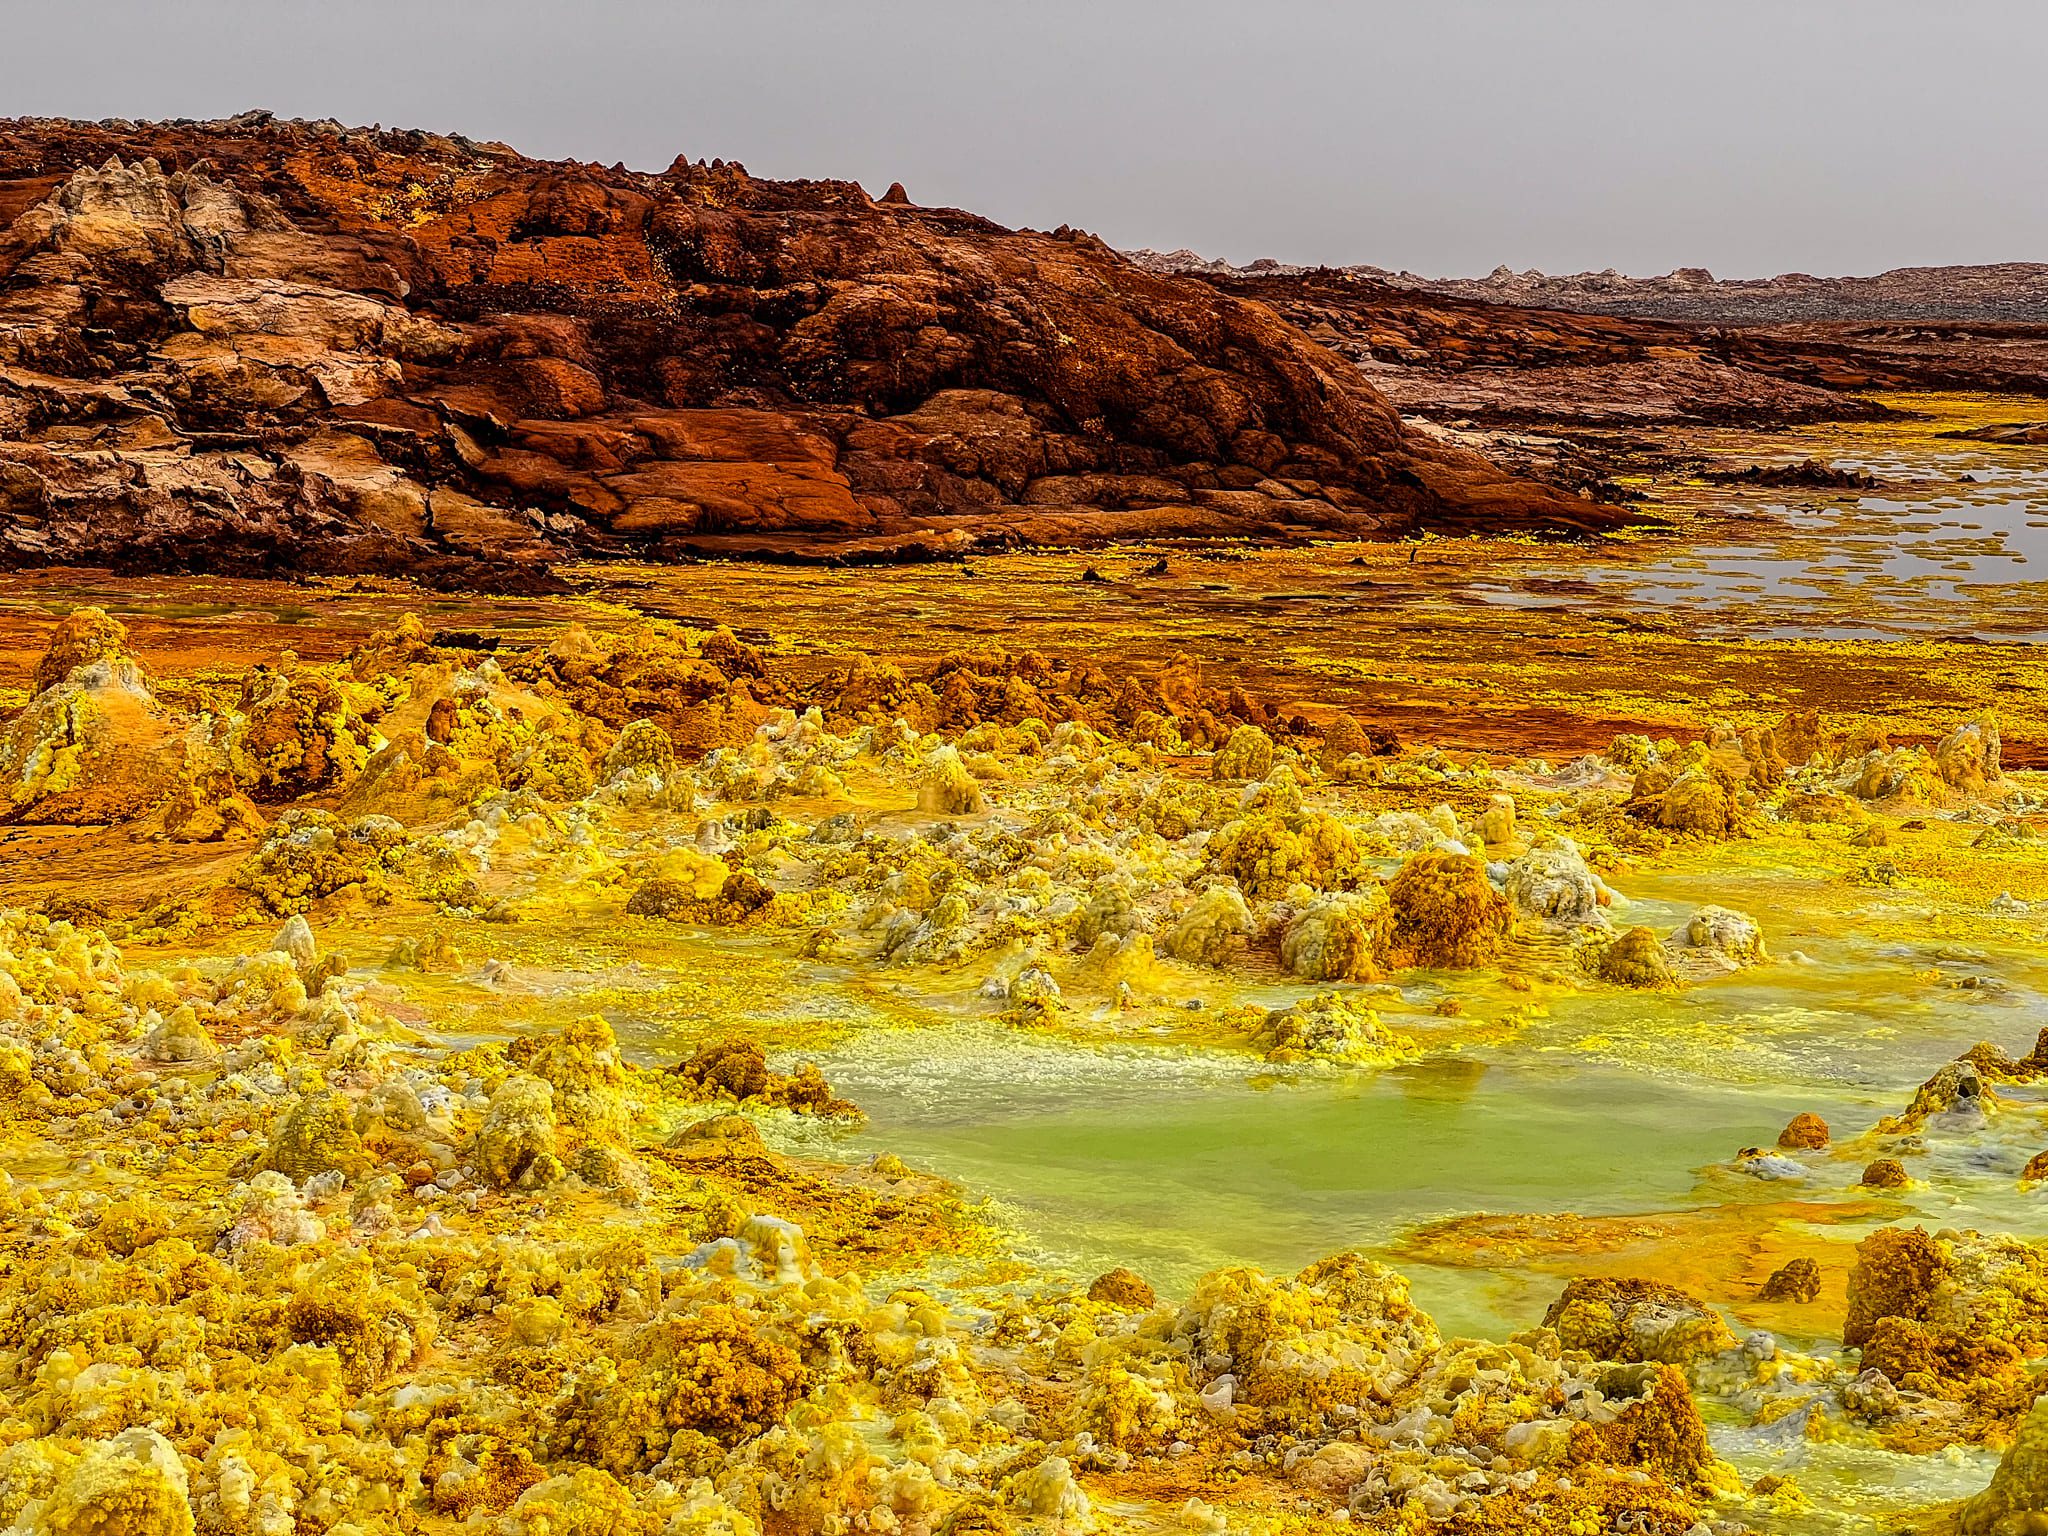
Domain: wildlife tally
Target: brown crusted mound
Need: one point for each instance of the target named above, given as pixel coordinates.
(256, 345)
(737, 1069)
(1897, 1271)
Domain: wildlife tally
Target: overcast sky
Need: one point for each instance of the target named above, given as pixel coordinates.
(1445, 136)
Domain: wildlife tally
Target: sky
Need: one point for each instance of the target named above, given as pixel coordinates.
(1442, 136)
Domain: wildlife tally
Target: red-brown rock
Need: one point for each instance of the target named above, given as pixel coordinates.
(285, 347)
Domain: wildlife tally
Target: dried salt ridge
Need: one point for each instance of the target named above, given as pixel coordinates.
(259, 346)
(1993, 292)
(1996, 293)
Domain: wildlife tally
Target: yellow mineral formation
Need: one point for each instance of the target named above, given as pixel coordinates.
(424, 1117)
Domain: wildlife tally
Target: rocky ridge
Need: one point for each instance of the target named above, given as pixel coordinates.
(264, 346)
(1446, 355)
(2009, 291)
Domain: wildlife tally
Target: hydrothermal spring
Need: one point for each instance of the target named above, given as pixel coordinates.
(1474, 1035)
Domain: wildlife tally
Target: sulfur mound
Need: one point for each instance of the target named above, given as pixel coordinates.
(206, 806)
(1214, 929)
(375, 1329)
(296, 733)
(93, 745)
(1552, 886)
(643, 747)
(178, 1038)
(720, 1373)
(581, 1065)
(1805, 1131)
(85, 637)
(1659, 1431)
(1269, 851)
(1968, 757)
(1247, 755)
(1347, 742)
(2016, 1503)
(317, 1135)
(1445, 915)
(1708, 796)
(1956, 1088)
(1340, 1332)
(1337, 937)
(1636, 1320)
(948, 788)
(1796, 1280)
(737, 1070)
(1715, 941)
(515, 1146)
(1955, 1316)
(134, 1484)
(1331, 1027)
(1898, 1272)
(1124, 1288)
(738, 897)
(310, 855)
(1131, 1410)
(1635, 959)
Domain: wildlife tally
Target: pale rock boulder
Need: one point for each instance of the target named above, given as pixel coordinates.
(140, 212)
(1552, 886)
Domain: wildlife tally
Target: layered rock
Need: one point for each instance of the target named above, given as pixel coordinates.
(264, 346)
(1527, 355)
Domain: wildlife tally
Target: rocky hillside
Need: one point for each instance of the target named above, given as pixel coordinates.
(256, 345)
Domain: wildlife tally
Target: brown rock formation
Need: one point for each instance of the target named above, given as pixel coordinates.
(1479, 350)
(260, 346)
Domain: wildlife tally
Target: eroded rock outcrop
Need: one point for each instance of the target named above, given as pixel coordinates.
(269, 346)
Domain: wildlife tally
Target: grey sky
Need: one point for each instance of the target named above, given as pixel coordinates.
(1442, 135)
